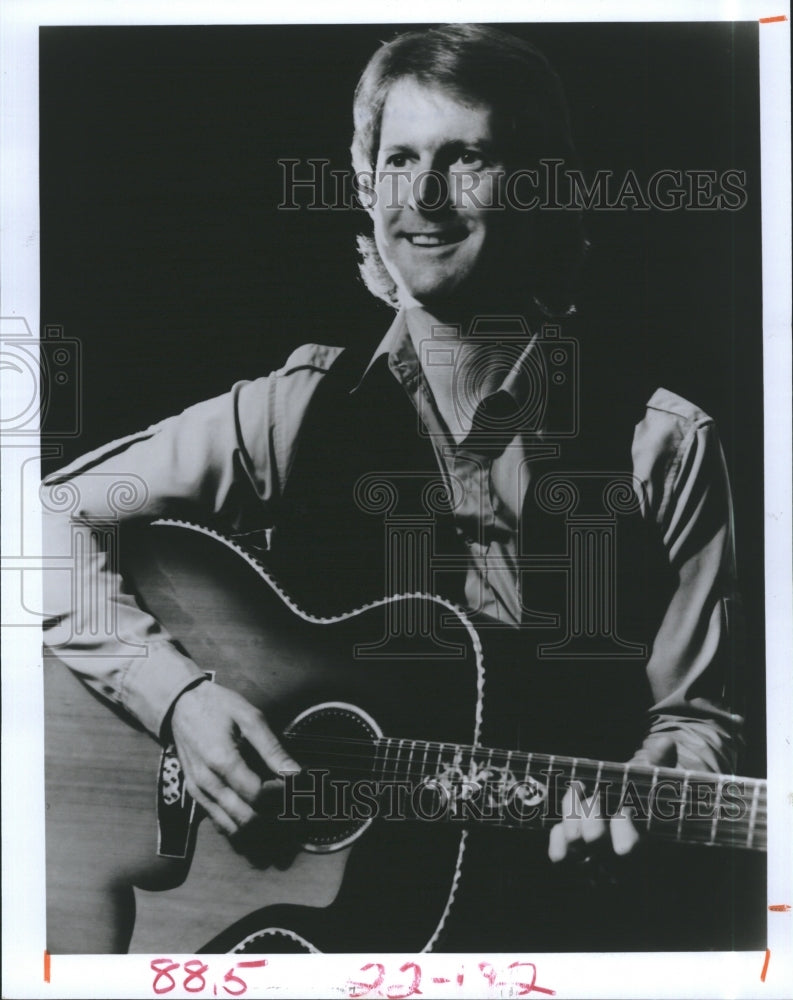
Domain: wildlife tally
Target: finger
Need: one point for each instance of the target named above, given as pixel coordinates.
(220, 818)
(557, 844)
(583, 817)
(242, 780)
(275, 786)
(222, 803)
(657, 750)
(568, 832)
(271, 800)
(216, 813)
(593, 825)
(265, 743)
(239, 812)
(624, 835)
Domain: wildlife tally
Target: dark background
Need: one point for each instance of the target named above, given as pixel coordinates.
(164, 253)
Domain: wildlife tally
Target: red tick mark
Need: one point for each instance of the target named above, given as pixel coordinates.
(779, 907)
(765, 964)
(770, 20)
(46, 966)
(439, 979)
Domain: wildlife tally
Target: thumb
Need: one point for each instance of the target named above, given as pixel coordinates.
(266, 744)
(657, 750)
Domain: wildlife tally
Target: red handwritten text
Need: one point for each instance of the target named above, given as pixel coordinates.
(196, 978)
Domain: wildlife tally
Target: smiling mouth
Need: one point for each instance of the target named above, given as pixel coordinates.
(434, 239)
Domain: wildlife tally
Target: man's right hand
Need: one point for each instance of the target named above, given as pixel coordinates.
(208, 723)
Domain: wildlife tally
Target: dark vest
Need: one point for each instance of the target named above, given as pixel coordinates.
(364, 515)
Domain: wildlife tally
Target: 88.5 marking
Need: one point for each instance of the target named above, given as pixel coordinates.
(193, 978)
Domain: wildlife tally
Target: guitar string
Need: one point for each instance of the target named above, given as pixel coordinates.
(753, 828)
(643, 776)
(653, 775)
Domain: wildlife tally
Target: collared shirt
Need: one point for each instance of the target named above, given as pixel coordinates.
(486, 473)
(244, 441)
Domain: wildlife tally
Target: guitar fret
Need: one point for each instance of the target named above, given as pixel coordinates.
(625, 771)
(753, 815)
(486, 790)
(410, 760)
(597, 778)
(681, 817)
(502, 819)
(521, 820)
(544, 820)
(439, 770)
(487, 777)
(714, 825)
(394, 762)
(397, 761)
(424, 761)
(392, 765)
(465, 770)
(382, 744)
(650, 803)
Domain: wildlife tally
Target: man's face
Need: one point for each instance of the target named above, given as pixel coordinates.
(436, 180)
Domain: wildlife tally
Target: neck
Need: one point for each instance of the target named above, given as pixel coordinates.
(524, 790)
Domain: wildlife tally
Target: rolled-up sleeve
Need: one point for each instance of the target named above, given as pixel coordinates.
(225, 458)
(679, 461)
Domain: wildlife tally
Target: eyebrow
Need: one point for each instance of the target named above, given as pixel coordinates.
(449, 146)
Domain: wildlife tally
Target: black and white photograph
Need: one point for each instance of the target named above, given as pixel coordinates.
(406, 590)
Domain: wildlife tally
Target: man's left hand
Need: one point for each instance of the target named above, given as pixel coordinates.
(584, 830)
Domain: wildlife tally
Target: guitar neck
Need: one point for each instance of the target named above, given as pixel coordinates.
(518, 789)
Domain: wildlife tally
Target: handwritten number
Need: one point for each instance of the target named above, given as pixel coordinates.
(195, 969)
(231, 978)
(530, 987)
(413, 989)
(366, 988)
(163, 967)
(490, 974)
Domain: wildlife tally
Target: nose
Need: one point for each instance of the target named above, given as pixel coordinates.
(429, 191)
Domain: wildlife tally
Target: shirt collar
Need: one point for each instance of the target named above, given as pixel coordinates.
(392, 344)
(404, 363)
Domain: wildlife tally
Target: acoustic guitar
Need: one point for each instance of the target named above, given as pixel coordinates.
(382, 707)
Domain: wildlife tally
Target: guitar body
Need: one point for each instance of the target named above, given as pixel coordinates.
(390, 692)
(407, 667)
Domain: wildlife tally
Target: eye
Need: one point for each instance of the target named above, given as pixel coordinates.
(397, 160)
(472, 159)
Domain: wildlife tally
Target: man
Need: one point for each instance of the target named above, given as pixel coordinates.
(445, 120)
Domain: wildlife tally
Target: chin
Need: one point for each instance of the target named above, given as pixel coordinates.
(436, 288)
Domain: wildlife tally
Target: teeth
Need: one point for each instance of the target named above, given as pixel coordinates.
(427, 241)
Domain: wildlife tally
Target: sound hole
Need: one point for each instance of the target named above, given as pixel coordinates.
(333, 796)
